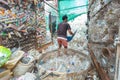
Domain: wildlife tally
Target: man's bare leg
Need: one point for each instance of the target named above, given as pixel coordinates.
(59, 50)
(65, 50)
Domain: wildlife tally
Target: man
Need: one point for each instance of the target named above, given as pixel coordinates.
(62, 34)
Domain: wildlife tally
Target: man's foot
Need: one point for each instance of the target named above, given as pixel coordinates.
(66, 54)
(58, 55)
(65, 51)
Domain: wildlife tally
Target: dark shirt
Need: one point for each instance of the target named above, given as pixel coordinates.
(62, 29)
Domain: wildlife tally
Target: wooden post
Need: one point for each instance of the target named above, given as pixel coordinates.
(117, 68)
(102, 74)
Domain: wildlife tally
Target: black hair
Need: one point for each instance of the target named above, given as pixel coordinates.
(64, 17)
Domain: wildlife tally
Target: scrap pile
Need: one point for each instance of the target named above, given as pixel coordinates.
(22, 24)
(21, 40)
(63, 63)
(32, 65)
(73, 66)
(103, 25)
(22, 31)
(14, 65)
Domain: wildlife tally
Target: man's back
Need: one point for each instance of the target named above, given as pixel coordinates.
(62, 29)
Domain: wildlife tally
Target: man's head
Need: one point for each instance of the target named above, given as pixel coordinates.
(64, 18)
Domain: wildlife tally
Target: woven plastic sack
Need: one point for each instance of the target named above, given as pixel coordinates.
(22, 68)
(14, 59)
(4, 55)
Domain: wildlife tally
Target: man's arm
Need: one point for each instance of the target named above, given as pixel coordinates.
(69, 29)
(70, 32)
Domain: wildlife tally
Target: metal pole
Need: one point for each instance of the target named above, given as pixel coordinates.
(50, 25)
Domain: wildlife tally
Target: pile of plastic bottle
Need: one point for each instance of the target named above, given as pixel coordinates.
(66, 64)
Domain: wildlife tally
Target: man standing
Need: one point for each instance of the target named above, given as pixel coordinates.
(62, 34)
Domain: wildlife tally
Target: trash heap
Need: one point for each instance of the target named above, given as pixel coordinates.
(22, 24)
(66, 64)
(80, 39)
(23, 40)
(22, 28)
(33, 65)
(17, 63)
(72, 66)
(103, 27)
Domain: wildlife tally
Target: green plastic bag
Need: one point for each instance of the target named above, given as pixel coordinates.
(4, 55)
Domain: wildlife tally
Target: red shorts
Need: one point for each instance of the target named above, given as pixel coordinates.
(62, 42)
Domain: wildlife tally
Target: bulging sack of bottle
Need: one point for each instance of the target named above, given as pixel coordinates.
(22, 68)
(5, 54)
(14, 59)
